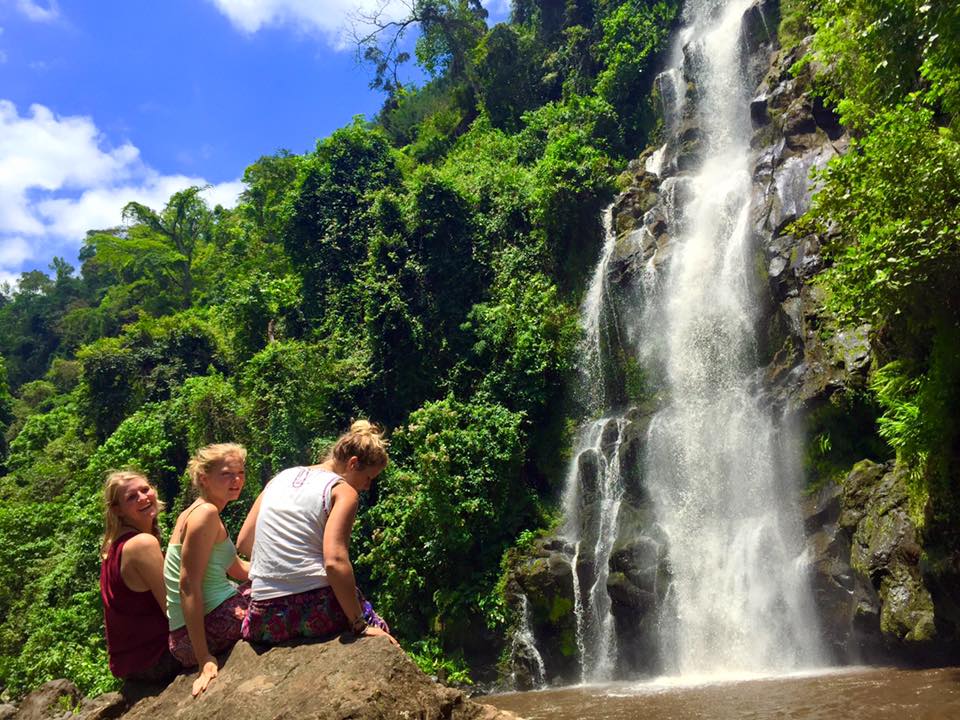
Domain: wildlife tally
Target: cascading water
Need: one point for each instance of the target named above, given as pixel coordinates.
(592, 505)
(526, 644)
(739, 598)
(714, 469)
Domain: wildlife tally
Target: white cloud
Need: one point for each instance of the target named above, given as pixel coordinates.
(14, 250)
(328, 17)
(39, 12)
(60, 178)
(331, 18)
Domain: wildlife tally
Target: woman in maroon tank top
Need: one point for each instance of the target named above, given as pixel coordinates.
(131, 581)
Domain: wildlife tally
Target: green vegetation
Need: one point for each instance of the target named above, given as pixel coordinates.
(890, 209)
(422, 270)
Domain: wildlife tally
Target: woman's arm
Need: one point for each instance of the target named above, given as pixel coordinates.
(247, 533)
(196, 547)
(336, 549)
(141, 566)
(239, 569)
(336, 555)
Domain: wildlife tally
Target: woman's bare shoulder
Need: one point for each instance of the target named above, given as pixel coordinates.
(141, 543)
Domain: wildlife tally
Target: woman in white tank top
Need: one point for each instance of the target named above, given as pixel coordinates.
(298, 537)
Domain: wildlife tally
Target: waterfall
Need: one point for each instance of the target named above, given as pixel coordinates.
(713, 461)
(719, 558)
(594, 486)
(525, 644)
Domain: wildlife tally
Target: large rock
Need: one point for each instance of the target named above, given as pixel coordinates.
(873, 596)
(52, 699)
(360, 680)
(884, 547)
(544, 578)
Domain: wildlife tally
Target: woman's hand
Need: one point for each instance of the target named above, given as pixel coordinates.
(208, 672)
(373, 631)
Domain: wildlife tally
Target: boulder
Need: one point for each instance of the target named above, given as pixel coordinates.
(874, 598)
(104, 707)
(340, 678)
(52, 699)
(546, 581)
(885, 548)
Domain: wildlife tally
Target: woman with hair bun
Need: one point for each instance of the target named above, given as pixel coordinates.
(204, 607)
(131, 581)
(302, 582)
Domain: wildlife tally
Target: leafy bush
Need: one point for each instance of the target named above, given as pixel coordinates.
(453, 493)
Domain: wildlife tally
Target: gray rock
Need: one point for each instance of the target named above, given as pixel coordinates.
(51, 699)
(361, 680)
(759, 115)
(103, 707)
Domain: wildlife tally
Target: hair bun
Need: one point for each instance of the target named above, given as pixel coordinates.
(365, 427)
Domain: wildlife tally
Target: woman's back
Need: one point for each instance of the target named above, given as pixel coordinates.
(288, 545)
(217, 587)
(136, 626)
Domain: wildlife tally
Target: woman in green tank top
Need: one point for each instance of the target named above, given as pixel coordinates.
(204, 607)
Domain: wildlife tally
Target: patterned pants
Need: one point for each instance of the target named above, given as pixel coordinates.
(310, 614)
(222, 627)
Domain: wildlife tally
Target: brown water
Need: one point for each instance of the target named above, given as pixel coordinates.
(848, 694)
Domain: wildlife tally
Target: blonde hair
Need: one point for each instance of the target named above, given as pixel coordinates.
(209, 456)
(363, 440)
(112, 494)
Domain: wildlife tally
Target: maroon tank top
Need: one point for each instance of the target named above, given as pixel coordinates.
(136, 626)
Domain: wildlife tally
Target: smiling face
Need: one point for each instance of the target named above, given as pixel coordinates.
(224, 482)
(136, 504)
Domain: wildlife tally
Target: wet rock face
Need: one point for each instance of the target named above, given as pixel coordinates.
(869, 583)
(545, 579)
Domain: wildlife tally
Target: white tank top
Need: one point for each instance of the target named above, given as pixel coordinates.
(288, 544)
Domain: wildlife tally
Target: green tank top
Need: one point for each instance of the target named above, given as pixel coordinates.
(217, 587)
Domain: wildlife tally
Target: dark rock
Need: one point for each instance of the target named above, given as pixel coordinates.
(807, 260)
(369, 678)
(588, 469)
(103, 707)
(754, 29)
(51, 699)
(858, 488)
(610, 436)
(826, 119)
(547, 585)
(556, 544)
(872, 594)
(758, 111)
(822, 507)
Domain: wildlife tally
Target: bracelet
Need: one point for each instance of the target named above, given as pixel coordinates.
(359, 625)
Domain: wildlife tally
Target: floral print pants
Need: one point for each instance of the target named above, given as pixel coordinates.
(311, 614)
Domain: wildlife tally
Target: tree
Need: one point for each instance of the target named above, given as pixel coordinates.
(449, 30)
(158, 247)
(328, 224)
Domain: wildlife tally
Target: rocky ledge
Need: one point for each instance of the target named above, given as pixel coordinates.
(317, 681)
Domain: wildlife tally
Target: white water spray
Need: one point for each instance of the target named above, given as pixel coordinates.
(723, 497)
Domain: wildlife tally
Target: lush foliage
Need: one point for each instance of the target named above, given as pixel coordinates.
(422, 270)
(889, 209)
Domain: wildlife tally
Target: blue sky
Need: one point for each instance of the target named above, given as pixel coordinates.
(103, 102)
